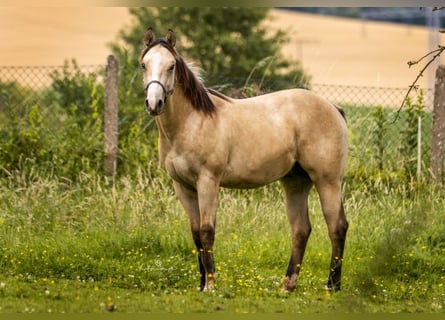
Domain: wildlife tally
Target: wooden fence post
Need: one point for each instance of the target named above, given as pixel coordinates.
(438, 131)
(111, 116)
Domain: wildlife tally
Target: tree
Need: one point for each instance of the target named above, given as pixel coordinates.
(226, 42)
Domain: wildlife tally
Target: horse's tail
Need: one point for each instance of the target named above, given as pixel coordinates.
(342, 112)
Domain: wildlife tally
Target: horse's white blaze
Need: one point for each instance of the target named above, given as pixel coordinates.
(156, 75)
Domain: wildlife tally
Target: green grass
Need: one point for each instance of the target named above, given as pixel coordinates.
(82, 246)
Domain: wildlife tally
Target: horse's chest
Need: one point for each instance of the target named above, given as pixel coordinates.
(180, 169)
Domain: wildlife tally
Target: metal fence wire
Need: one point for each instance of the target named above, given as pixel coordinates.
(378, 134)
(40, 77)
(22, 87)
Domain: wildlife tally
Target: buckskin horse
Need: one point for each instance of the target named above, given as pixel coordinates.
(208, 140)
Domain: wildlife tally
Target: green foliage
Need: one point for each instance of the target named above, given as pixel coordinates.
(379, 135)
(138, 142)
(383, 144)
(409, 135)
(14, 100)
(21, 125)
(72, 88)
(56, 130)
(22, 139)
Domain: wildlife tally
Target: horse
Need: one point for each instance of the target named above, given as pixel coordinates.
(208, 140)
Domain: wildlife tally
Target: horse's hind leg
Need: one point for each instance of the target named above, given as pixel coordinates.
(332, 206)
(297, 192)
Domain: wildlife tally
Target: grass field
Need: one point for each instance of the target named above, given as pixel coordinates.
(97, 244)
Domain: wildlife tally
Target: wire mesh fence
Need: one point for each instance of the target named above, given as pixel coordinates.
(49, 117)
(386, 140)
(71, 97)
(371, 96)
(37, 77)
(23, 87)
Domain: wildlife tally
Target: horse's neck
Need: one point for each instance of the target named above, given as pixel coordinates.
(176, 111)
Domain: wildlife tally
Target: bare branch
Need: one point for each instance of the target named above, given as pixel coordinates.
(414, 62)
(414, 85)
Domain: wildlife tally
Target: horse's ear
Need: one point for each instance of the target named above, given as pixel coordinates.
(149, 36)
(171, 38)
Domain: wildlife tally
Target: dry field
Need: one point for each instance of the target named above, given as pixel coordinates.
(333, 50)
(353, 52)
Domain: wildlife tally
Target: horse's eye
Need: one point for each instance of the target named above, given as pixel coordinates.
(172, 67)
(143, 66)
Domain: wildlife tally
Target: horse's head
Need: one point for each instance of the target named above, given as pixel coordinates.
(158, 62)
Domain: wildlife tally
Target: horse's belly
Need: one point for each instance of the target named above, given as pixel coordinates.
(253, 173)
(237, 170)
(240, 184)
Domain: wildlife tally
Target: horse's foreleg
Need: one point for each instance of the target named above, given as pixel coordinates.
(332, 206)
(208, 188)
(197, 240)
(189, 200)
(297, 192)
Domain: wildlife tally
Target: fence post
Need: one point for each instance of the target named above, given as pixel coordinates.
(111, 116)
(438, 131)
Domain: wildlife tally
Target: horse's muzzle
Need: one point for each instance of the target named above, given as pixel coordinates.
(157, 109)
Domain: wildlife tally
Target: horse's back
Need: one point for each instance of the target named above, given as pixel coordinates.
(306, 116)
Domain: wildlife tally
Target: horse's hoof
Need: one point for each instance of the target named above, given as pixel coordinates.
(289, 283)
(209, 288)
(332, 288)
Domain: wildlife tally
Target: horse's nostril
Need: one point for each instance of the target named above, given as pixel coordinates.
(160, 104)
(146, 103)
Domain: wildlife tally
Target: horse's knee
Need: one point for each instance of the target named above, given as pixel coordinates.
(339, 231)
(197, 238)
(207, 235)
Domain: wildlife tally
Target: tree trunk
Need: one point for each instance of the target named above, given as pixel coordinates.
(438, 134)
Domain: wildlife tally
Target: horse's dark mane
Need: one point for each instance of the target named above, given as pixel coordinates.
(193, 88)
